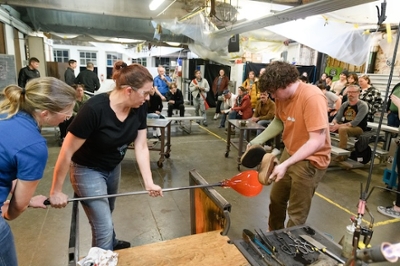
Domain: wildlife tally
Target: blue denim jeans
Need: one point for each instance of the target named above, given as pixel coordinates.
(94, 182)
(263, 123)
(8, 255)
(393, 119)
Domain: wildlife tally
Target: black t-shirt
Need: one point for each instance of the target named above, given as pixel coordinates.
(107, 138)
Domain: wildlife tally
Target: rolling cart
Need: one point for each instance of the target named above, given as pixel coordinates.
(164, 144)
(241, 142)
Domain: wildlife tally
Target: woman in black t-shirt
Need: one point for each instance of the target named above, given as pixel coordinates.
(96, 144)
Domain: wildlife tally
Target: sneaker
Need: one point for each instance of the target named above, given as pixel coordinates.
(221, 126)
(122, 244)
(215, 117)
(205, 124)
(388, 211)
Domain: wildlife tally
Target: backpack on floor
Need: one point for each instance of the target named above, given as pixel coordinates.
(362, 151)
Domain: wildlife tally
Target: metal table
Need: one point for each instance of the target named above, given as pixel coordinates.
(164, 145)
(240, 143)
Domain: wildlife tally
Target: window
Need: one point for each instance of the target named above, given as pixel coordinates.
(61, 55)
(142, 61)
(111, 59)
(86, 57)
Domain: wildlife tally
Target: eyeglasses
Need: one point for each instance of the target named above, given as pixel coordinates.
(67, 115)
(353, 91)
(143, 93)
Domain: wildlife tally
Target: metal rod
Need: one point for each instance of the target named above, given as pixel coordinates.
(47, 202)
(142, 192)
(384, 107)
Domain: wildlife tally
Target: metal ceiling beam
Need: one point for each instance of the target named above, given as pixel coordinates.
(120, 8)
(299, 12)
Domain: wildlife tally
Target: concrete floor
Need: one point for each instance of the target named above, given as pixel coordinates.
(42, 235)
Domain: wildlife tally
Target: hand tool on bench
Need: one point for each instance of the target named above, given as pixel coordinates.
(245, 183)
(266, 241)
(321, 248)
(249, 241)
(255, 240)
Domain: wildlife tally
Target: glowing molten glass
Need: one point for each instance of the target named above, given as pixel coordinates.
(245, 183)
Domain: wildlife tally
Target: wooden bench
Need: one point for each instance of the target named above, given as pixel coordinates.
(381, 153)
(339, 152)
(181, 119)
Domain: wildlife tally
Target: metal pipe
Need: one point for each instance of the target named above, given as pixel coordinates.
(47, 202)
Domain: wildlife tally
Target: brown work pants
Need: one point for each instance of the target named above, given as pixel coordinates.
(346, 132)
(298, 187)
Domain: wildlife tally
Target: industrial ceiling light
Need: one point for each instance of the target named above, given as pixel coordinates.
(173, 43)
(155, 4)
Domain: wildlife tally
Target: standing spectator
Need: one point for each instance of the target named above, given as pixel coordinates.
(175, 100)
(370, 95)
(220, 84)
(23, 150)
(199, 86)
(392, 109)
(264, 111)
(162, 82)
(228, 100)
(154, 109)
(351, 118)
(69, 74)
(394, 210)
(252, 88)
(95, 145)
(88, 78)
(81, 98)
(301, 114)
(29, 72)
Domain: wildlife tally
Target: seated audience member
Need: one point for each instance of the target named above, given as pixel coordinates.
(242, 108)
(352, 79)
(175, 100)
(351, 119)
(228, 100)
(328, 83)
(303, 79)
(333, 100)
(81, 98)
(392, 109)
(322, 79)
(338, 85)
(264, 111)
(162, 82)
(370, 95)
(199, 88)
(154, 108)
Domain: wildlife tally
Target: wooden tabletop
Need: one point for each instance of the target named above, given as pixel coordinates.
(201, 249)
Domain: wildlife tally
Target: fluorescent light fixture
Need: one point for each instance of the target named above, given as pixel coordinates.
(155, 4)
(173, 43)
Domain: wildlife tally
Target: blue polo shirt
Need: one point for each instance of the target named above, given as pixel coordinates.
(23, 151)
(161, 85)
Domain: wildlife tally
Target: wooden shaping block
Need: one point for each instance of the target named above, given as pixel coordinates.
(200, 249)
